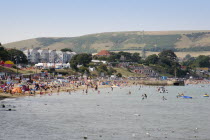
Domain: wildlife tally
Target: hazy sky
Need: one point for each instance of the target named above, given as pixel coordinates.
(25, 19)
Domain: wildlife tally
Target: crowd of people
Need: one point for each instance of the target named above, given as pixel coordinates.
(33, 87)
(50, 86)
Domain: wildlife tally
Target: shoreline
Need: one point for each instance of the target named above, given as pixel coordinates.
(2, 98)
(73, 88)
(63, 89)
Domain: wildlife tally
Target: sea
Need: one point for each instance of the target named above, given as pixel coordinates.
(109, 115)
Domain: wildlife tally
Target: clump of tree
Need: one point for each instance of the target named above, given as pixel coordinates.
(80, 59)
(121, 57)
(194, 36)
(195, 62)
(193, 49)
(66, 50)
(14, 55)
(17, 56)
(104, 69)
(83, 70)
(187, 57)
(200, 61)
(169, 61)
(152, 59)
(4, 55)
(119, 75)
(166, 61)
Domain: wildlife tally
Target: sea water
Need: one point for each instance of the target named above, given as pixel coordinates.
(110, 115)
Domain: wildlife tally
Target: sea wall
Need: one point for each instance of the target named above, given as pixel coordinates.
(162, 83)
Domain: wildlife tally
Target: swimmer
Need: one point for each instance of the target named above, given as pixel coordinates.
(3, 106)
(145, 95)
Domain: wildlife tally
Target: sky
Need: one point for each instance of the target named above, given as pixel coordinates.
(26, 19)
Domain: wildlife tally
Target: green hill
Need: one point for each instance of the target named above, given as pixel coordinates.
(183, 41)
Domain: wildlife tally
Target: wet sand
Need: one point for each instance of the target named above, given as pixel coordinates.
(62, 89)
(2, 97)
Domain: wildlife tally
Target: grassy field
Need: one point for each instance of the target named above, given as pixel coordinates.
(126, 73)
(183, 54)
(12, 70)
(4, 69)
(132, 40)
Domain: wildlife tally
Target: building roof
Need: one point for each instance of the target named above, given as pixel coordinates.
(103, 53)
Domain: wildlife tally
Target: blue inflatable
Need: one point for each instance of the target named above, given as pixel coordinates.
(188, 97)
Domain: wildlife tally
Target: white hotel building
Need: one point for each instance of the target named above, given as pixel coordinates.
(47, 56)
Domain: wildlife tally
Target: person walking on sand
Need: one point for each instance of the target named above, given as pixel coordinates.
(45, 89)
(51, 90)
(58, 90)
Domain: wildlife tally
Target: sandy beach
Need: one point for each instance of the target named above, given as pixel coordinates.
(67, 89)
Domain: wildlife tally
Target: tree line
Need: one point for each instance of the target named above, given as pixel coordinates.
(166, 62)
(13, 55)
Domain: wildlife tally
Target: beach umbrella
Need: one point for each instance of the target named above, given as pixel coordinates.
(8, 62)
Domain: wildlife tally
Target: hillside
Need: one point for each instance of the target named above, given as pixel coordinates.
(181, 41)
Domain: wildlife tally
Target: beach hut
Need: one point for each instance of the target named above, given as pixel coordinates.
(8, 64)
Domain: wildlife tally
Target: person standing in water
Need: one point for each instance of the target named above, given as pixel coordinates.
(58, 89)
(145, 95)
(69, 91)
(164, 98)
(142, 96)
(96, 87)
